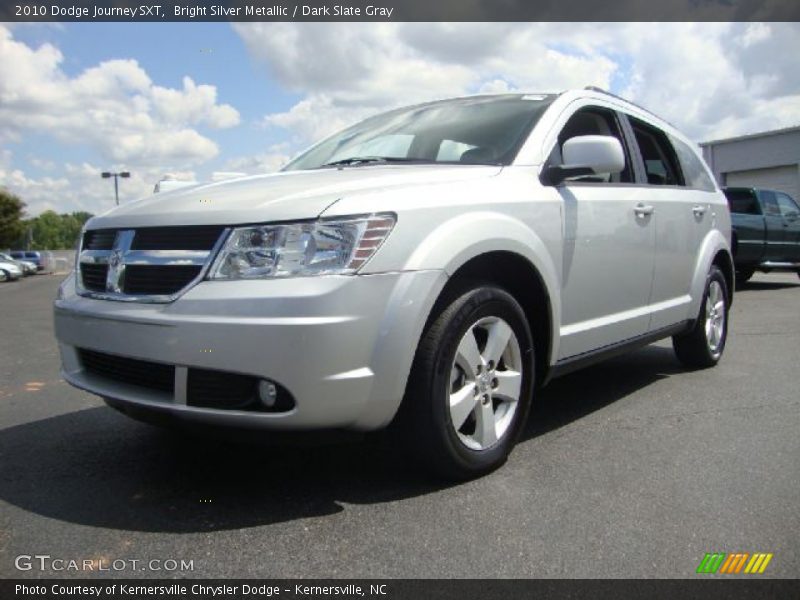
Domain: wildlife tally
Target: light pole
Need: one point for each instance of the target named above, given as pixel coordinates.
(108, 174)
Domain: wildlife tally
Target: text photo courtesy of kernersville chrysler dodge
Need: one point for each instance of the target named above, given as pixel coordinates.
(428, 269)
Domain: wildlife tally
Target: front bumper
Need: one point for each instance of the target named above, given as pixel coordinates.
(341, 345)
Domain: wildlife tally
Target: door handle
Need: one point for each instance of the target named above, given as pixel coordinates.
(698, 210)
(643, 210)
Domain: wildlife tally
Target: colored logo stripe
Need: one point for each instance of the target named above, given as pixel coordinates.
(734, 563)
(711, 562)
(758, 563)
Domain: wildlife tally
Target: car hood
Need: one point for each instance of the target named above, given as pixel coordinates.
(278, 196)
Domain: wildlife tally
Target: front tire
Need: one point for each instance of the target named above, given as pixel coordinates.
(703, 346)
(471, 384)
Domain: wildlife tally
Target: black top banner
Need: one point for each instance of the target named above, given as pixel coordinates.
(400, 10)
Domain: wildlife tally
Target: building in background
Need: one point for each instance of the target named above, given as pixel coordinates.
(766, 160)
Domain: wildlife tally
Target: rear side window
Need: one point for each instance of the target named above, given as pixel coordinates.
(770, 203)
(660, 161)
(787, 206)
(743, 202)
(694, 172)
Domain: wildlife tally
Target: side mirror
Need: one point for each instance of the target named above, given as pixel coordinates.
(792, 215)
(587, 155)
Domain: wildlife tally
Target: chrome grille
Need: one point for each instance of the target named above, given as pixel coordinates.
(94, 277)
(150, 264)
(99, 239)
(176, 238)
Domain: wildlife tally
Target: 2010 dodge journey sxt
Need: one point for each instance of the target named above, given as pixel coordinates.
(431, 266)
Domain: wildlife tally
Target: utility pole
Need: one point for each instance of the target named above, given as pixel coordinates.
(108, 174)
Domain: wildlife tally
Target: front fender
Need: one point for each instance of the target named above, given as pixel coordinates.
(460, 239)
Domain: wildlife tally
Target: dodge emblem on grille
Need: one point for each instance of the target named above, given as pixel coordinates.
(116, 261)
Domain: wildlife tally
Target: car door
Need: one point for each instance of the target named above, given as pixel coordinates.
(776, 248)
(683, 218)
(790, 215)
(749, 226)
(607, 262)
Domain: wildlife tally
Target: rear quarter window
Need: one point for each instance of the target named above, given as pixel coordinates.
(695, 174)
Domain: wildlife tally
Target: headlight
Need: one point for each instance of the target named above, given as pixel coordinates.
(326, 247)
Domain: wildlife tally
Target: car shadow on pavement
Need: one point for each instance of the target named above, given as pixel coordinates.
(569, 398)
(745, 286)
(95, 467)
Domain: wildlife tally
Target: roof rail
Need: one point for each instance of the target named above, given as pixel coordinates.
(593, 88)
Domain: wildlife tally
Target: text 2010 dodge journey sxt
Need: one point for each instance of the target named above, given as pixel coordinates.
(431, 266)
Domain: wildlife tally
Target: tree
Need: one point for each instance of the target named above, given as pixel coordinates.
(51, 231)
(11, 224)
(47, 231)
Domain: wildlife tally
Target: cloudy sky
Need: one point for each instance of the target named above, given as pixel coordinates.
(195, 101)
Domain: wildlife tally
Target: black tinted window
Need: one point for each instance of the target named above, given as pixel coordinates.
(660, 160)
(742, 202)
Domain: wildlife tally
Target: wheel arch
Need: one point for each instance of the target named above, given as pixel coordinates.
(490, 240)
(714, 250)
(519, 277)
(724, 261)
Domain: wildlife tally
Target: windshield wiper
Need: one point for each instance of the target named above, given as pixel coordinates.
(362, 160)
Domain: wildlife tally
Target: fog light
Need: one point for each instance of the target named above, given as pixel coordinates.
(267, 393)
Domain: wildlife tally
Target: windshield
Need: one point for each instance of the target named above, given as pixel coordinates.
(478, 130)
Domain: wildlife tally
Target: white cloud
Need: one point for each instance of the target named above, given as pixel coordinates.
(80, 187)
(349, 70)
(710, 79)
(114, 107)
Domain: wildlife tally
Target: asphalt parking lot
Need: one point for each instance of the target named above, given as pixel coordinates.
(634, 468)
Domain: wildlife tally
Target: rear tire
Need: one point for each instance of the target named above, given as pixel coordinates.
(704, 344)
(470, 386)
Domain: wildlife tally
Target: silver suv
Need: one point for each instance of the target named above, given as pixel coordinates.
(429, 267)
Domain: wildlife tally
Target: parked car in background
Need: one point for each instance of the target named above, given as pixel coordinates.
(429, 267)
(28, 268)
(766, 231)
(11, 271)
(43, 259)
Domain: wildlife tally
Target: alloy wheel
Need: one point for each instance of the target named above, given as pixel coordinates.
(485, 383)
